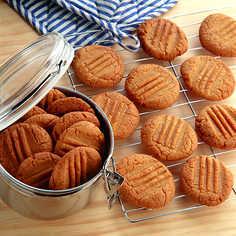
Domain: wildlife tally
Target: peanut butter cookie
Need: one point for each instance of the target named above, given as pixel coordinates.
(53, 95)
(69, 119)
(162, 39)
(98, 66)
(168, 137)
(80, 134)
(75, 168)
(121, 112)
(216, 126)
(21, 141)
(148, 183)
(36, 170)
(64, 105)
(208, 77)
(206, 180)
(152, 86)
(46, 121)
(217, 34)
(32, 112)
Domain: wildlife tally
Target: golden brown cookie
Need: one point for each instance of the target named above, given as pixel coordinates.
(148, 183)
(120, 111)
(98, 66)
(162, 39)
(168, 137)
(217, 34)
(21, 141)
(216, 126)
(69, 119)
(208, 77)
(64, 105)
(46, 121)
(152, 86)
(206, 180)
(53, 95)
(32, 112)
(80, 134)
(36, 170)
(75, 168)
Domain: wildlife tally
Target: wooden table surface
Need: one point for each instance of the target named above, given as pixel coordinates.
(96, 218)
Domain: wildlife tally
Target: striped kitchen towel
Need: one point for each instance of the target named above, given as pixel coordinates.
(86, 22)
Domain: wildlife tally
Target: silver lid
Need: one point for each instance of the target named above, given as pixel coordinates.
(28, 76)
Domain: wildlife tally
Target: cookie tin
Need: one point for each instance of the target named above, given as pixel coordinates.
(25, 79)
(27, 76)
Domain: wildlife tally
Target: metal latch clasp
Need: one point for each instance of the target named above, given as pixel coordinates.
(113, 182)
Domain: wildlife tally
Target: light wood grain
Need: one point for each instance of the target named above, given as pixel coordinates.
(96, 219)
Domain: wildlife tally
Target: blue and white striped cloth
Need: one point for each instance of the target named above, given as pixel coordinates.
(86, 22)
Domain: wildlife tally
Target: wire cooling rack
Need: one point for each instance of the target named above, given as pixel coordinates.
(186, 107)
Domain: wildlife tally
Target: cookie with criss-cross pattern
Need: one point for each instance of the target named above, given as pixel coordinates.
(64, 105)
(121, 112)
(148, 183)
(152, 86)
(217, 34)
(21, 141)
(208, 77)
(98, 66)
(162, 39)
(168, 137)
(216, 126)
(206, 180)
(75, 168)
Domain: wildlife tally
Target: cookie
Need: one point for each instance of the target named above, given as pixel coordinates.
(37, 170)
(65, 105)
(80, 134)
(120, 111)
(168, 137)
(162, 39)
(32, 112)
(216, 126)
(75, 168)
(98, 66)
(217, 34)
(152, 86)
(53, 95)
(206, 180)
(148, 183)
(208, 77)
(46, 121)
(69, 119)
(21, 141)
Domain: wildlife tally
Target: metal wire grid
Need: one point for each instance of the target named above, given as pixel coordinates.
(180, 202)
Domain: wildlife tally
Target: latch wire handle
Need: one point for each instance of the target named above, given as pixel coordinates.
(113, 181)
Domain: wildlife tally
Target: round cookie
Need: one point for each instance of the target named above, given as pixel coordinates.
(152, 86)
(36, 170)
(69, 119)
(21, 141)
(46, 121)
(208, 77)
(32, 112)
(75, 168)
(120, 111)
(65, 105)
(217, 34)
(162, 39)
(216, 126)
(206, 180)
(53, 95)
(148, 183)
(98, 66)
(80, 134)
(168, 137)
